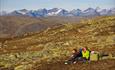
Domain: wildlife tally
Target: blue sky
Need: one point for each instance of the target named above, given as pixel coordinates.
(10, 5)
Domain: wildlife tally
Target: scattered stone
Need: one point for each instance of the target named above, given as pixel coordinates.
(67, 44)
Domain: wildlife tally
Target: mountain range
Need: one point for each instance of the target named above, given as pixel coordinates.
(61, 12)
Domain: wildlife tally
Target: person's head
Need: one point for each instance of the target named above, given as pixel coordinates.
(84, 49)
(74, 51)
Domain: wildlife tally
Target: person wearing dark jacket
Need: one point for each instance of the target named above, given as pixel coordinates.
(76, 55)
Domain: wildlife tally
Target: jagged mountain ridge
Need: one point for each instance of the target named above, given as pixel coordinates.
(62, 12)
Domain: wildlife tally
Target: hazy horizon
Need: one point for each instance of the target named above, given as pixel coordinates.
(10, 5)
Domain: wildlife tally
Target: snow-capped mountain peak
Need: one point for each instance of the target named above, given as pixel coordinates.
(58, 11)
(98, 9)
(89, 10)
(54, 11)
(22, 11)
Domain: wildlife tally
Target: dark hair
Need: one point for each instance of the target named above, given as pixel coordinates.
(75, 50)
(86, 48)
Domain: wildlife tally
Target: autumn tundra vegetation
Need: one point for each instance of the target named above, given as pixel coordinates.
(28, 43)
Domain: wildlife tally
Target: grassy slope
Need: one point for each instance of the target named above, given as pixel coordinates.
(18, 25)
(57, 42)
(92, 33)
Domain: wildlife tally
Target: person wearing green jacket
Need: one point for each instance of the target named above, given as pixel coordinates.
(85, 54)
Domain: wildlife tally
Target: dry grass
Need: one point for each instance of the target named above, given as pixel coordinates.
(57, 42)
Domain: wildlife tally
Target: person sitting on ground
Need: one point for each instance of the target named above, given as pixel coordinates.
(75, 56)
(85, 54)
